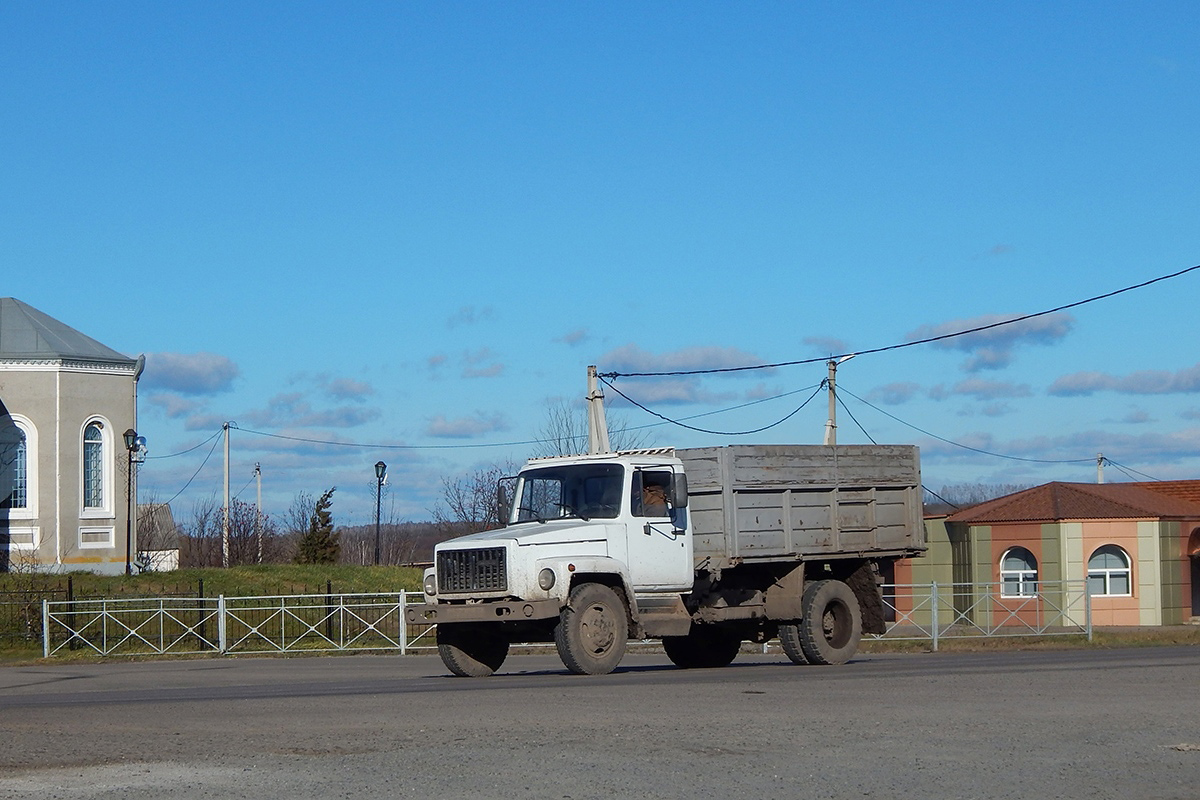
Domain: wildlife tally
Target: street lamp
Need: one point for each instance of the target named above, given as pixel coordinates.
(131, 443)
(380, 471)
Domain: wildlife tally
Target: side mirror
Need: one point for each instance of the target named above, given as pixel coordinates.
(505, 487)
(679, 490)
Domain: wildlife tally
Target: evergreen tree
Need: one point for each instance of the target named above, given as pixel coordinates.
(319, 544)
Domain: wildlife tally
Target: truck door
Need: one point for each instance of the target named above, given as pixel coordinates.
(659, 537)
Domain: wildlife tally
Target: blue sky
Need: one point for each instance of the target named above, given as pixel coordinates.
(413, 226)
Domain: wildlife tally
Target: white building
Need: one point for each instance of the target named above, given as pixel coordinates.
(66, 402)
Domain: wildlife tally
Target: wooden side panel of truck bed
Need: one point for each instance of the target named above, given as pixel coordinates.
(793, 501)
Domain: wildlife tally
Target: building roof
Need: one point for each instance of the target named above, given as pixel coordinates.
(1060, 501)
(26, 333)
(1184, 490)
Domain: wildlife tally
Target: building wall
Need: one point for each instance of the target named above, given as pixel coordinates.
(59, 400)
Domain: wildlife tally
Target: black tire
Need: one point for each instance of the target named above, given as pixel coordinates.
(592, 630)
(471, 651)
(702, 648)
(832, 623)
(789, 637)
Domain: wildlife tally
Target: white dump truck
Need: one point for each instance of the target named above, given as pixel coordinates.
(702, 548)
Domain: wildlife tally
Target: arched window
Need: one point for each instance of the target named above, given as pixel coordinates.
(1109, 572)
(18, 467)
(1018, 573)
(93, 466)
(14, 468)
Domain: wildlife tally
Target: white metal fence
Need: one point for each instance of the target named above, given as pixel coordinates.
(280, 624)
(955, 611)
(367, 622)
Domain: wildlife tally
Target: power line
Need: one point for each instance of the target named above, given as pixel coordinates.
(927, 340)
(704, 430)
(371, 446)
(212, 450)
(190, 449)
(964, 446)
(1127, 470)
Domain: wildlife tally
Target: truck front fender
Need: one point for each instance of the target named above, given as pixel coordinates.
(569, 572)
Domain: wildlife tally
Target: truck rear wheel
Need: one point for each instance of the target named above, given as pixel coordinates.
(702, 648)
(789, 637)
(832, 623)
(592, 630)
(470, 651)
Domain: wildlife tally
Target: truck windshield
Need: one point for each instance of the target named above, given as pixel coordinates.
(577, 490)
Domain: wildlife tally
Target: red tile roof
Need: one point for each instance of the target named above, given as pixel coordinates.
(1184, 490)
(1058, 501)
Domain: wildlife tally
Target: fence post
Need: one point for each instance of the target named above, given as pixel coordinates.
(1087, 609)
(403, 623)
(222, 643)
(45, 628)
(933, 610)
(74, 642)
(202, 623)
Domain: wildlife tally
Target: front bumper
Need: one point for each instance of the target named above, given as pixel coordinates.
(500, 611)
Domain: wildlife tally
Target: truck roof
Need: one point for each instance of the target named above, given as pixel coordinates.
(656, 453)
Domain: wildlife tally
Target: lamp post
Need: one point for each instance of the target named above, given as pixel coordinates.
(131, 443)
(380, 471)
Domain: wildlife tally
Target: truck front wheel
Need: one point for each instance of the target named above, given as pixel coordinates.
(592, 630)
(470, 651)
(831, 627)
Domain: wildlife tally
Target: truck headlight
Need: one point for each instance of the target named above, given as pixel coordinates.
(431, 585)
(546, 579)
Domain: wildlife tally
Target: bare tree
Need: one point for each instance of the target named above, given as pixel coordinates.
(472, 501)
(201, 543)
(564, 431)
(963, 495)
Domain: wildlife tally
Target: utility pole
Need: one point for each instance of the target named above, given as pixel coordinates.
(225, 524)
(1099, 467)
(258, 516)
(831, 382)
(597, 424)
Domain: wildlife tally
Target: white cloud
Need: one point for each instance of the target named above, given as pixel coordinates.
(348, 389)
(826, 345)
(465, 427)
(575, 337)
(1150, 381)
(481, 363)
(993, 348)
(190, 373)
(632, 358)
(894, 394)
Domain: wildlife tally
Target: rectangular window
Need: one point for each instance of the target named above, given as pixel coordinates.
(24, 538)
(92, 538)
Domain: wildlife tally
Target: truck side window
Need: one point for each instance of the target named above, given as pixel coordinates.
(650, 493)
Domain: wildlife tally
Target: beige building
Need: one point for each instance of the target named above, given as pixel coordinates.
(1136, 545)
(66, 403)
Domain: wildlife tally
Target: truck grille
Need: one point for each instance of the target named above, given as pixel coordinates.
(472, 570)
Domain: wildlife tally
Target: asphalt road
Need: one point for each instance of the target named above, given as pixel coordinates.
(1094, 724)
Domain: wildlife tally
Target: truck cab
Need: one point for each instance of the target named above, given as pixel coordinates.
(617, 520)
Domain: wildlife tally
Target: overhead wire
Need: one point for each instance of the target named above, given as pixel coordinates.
(902, 345)
(190, 449)
(1127, 470)
(212, 450)
(712, 432)
(841, 388)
